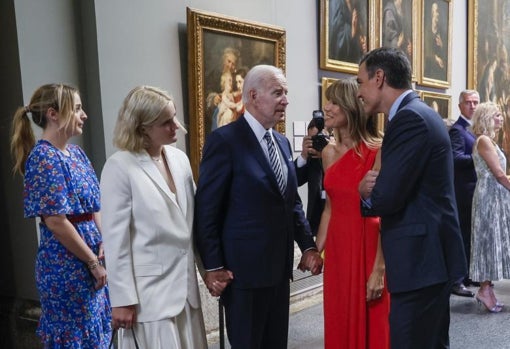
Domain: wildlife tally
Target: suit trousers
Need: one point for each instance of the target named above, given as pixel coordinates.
(257, 318)
(465, 228)
(420, 319)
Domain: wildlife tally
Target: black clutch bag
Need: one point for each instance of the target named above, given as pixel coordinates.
(114, 336)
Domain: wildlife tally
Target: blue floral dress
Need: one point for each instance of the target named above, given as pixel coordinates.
(74, 314)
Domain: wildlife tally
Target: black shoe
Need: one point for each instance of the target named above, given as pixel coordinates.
(469, 282)
(461, 290)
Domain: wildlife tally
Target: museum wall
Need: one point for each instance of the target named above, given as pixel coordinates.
(108, 47)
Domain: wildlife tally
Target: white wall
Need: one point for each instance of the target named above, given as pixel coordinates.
(138, 43)
(459, 55)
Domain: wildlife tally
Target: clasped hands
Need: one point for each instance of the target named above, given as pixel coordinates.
(311, 260)
(217, 280)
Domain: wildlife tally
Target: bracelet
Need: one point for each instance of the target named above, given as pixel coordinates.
(93, 263)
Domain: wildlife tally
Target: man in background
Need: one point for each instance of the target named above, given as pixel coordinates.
(465, 177)
(309, 170)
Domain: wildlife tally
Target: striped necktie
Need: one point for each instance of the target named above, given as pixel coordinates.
(275, 162)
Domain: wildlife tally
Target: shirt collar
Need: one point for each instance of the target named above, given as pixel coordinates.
(256, 126)
(467, 120)
(396, 104)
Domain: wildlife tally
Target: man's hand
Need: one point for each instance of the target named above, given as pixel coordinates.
(367, 184)
(312, 261)
(217, 280)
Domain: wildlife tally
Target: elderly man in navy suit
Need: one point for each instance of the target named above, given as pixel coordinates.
(248, 215)
(413, 193)
(465, 177)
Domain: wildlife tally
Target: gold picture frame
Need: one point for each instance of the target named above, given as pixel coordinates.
(325, 82)
(488, 47)
(338, 51)
(436, 42)
(214, 42)
(397, 26)
(488, 63)
(440, 102)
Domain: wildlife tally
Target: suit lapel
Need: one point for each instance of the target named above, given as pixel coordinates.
(255, 148)
(180, 197)
(465, 126)
(152, 171)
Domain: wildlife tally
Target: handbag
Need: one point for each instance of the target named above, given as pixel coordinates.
(114, 335)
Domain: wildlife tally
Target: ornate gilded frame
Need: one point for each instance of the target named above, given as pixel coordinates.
(341, 62)
(488, 47)
(441, 100)
(209, 34)
(430, 74)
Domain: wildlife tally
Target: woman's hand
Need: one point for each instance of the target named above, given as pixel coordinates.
(375, 285)
(99, 274)
(123, 317)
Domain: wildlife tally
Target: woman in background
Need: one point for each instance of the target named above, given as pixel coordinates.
(61, 188)
(490, 224)
(148, 204)
(356, 302)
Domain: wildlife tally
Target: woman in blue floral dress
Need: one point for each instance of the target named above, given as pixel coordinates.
(61, 188)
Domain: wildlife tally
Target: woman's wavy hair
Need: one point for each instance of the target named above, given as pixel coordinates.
(483, 119)
(362, 127)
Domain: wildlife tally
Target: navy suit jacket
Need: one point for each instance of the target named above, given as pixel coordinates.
(465, 175)
(414, 196)
(243, 222)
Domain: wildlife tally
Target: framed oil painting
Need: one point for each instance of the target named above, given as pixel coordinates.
(488, 65)
(440, 102)
(397, 26)
(221, 50)
(346, 33)
(436, 43)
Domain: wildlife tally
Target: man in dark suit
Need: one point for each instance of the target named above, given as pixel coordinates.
(465, 177)
(248, 215)
(309, 170)
(413, 194)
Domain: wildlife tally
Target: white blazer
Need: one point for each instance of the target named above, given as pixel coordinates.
(147, 233)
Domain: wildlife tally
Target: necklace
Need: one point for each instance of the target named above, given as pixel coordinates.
(156, 159)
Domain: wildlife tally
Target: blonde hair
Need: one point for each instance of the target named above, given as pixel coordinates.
(141, 108)
(59, 97)
(361, 127)
(483, 119)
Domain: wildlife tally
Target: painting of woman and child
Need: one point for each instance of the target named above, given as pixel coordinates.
(227, 59)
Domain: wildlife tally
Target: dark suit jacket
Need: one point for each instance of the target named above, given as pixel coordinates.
(414, 196)
(312, 174)
(465, 175)
(243, 222)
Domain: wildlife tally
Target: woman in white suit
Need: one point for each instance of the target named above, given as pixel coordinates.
(147, 191)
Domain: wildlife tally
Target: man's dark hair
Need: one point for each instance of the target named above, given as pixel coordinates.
(393, 62)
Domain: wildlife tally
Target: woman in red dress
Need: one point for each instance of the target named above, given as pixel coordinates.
(356, 302)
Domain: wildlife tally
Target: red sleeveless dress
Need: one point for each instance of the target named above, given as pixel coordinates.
(351, 244)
